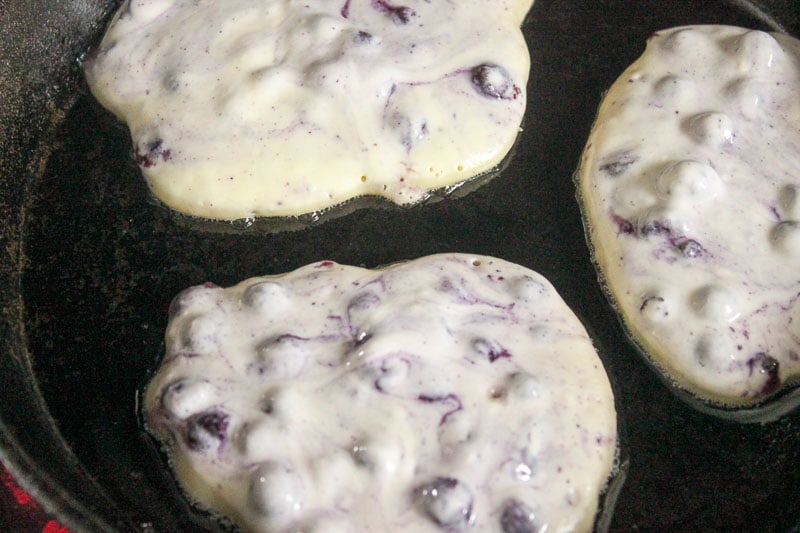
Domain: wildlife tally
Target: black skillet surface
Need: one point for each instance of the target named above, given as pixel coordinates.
(88, 265)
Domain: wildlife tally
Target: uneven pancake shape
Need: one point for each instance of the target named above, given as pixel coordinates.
(448, 393)
(689, 188)
(249, 108)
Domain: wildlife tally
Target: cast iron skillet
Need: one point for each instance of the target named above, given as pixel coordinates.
(89, 263)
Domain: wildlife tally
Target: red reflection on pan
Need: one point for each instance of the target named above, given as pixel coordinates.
(19, 512)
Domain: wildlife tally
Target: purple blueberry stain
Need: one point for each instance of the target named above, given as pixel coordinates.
(362, 37)
(775, 214)
(655, 227)
(687, 247)
(460, 294)
(457, 291)
(766, 364)
(400, 15)
(618, 164)
(152, 152)
(790, 304)
(345, 11)
(291, 338)
(448, 502)
(206, 429)
(489, 349)
(624, 226)
(518, 518)
(452, 399)
(494, 81)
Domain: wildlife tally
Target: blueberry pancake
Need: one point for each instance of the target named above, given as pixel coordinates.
(449, 393)
(689, 186)
(248, 108)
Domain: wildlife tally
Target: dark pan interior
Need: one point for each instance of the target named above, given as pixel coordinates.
(89, 264)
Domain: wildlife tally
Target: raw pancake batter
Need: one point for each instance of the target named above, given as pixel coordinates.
(247, 108)
(448, 393)
(689, 185)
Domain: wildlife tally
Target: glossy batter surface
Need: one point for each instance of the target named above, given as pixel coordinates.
(246, 108)
(689, 185)
(449, 393)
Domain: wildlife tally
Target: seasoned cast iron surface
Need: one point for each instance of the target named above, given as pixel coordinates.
(102, 262)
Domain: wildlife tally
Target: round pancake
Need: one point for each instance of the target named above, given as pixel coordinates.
(250, 108)
(449, 392)
(688, 187)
